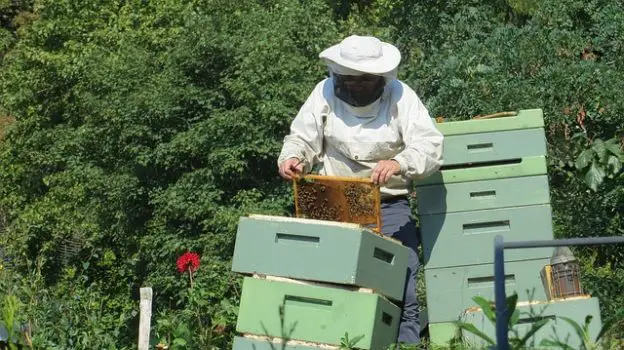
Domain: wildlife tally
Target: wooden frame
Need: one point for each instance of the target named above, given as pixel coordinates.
(339, 200)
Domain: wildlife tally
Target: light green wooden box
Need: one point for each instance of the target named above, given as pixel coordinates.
(316, 314)
(525, 119)
(467, 238)
(528, 166)
(441, 334)
(479, 195)
(493, 146)
(321, 251)
(450, 290)
(242, 343)
(555, 329)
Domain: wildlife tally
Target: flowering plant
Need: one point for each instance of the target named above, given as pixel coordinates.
(188, 261)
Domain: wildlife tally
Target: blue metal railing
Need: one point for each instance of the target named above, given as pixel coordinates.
(502, 316)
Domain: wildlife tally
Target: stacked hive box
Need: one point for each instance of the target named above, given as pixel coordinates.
(309, 282)
(494, 181)
(559, 330)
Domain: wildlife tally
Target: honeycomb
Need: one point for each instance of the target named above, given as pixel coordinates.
(339, 199)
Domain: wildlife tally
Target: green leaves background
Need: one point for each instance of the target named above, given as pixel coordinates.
(146, 129)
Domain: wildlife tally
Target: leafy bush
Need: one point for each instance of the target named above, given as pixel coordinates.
(146, 129)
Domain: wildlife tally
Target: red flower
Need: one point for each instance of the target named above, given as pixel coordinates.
(188, 261)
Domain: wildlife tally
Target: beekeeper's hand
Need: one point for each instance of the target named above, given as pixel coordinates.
(290, 167)
(384, 170)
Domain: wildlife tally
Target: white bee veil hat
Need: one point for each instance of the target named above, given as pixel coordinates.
(364, 54)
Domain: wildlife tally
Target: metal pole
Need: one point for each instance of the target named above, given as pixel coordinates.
(565, 242)
(502, 340)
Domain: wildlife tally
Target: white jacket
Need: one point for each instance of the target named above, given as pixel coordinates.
(349, 141)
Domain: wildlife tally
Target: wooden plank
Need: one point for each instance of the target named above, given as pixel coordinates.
(526, 119)
(314, 283)
(316, 314)
(253, 342)
(145, 318)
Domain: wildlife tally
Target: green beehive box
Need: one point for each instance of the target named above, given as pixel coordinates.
(494, 146)
(316, 314)
(525, 119)
(450, 290)
(556, 329)
(323, 251)
(441, 334)
(479, 195)
(528, 166)
(466, 238)
(258, 343)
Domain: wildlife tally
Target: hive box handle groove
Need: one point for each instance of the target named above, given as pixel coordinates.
(482, 164)
(490, 194)
(306, 301)
(535, 319)
(488, 226)
(285, 237)
(384, 256)
(480, 147)
(386, 318)
(480, 282)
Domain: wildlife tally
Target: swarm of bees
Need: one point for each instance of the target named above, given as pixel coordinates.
(358, 199)
(351, 202)
(316, 206)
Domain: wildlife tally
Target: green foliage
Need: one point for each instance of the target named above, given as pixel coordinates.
(468, 58)
(602, 159)
(603, 339)
(582, 331)
(74, 313)
(146, 129)
(349, 343)
(516, 340)
(9, 308)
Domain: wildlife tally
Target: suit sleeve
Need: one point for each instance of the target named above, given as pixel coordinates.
(305, 140)
(422, 155)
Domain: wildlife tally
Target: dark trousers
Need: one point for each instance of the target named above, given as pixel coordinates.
(398, 223)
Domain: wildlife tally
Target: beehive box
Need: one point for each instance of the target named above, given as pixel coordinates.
(556, 328)
(493, 146)
(323, 251)
(316, 314)
(331, 198)
(450, 290)
(491, 140)
(484, 194)
(524, 119)
(440, 334)
(469, 235)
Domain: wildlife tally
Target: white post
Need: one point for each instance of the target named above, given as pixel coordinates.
(145, 318)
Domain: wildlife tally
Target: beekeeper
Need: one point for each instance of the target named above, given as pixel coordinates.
(363, 122)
